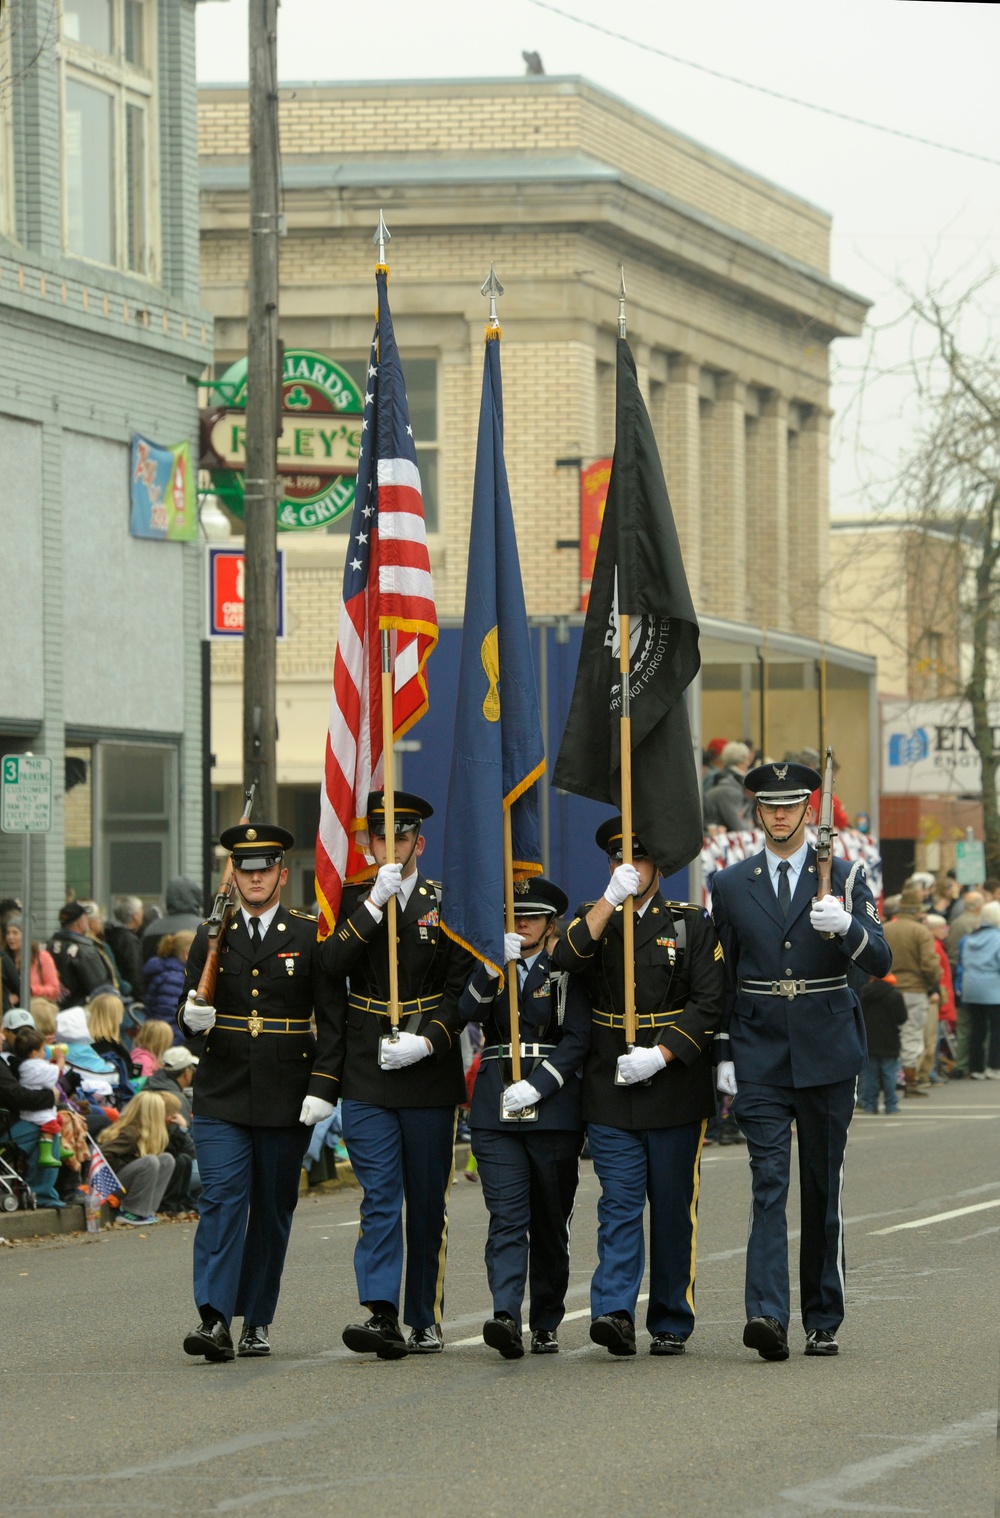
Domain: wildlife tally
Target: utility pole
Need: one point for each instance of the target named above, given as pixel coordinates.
(262, 419)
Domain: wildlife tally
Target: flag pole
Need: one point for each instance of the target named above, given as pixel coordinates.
(381, 236)
(625, 739)
(493, 288)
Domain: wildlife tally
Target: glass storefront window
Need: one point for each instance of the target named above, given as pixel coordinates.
(89, 23)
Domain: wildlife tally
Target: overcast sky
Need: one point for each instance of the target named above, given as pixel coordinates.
(901, 211)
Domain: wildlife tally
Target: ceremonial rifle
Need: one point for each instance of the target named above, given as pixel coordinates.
(219, 918)
(824, 841)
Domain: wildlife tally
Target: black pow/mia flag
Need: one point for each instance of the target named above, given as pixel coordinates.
(638, 570)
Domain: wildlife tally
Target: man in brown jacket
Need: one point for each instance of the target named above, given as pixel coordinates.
(915, 966)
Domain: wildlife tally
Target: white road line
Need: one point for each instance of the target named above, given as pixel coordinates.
(584, 1312)
(938, 1217)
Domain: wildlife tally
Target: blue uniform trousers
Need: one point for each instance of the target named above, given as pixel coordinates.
(663, 1164)
(402, 1153)
(822, 1115)
(529, 1180)
(250, 1185)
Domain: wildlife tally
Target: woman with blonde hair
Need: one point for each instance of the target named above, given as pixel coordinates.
(135, 1148)
(104, 1019)
(150, 1044)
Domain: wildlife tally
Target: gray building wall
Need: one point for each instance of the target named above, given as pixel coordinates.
(102, 630)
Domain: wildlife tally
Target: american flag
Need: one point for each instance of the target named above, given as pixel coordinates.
(102, 1178)
(387, 586)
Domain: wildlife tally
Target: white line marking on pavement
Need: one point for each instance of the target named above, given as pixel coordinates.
(583, 1312)
(938, 1217)
(829, 1493)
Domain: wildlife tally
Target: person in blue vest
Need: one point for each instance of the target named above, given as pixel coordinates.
(790, 1048)
(529, 1167)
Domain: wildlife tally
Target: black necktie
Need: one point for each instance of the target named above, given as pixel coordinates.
(255, 927)
(784, 891)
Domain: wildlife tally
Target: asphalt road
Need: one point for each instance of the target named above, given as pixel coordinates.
(101, 1412)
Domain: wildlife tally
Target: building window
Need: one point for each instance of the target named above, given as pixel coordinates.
(108, 141)
(421, 376)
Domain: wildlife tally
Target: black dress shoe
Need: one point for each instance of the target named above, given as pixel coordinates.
(426, 1341)
(822, 1341)
(211, 1339)
(667, 1344)
(544, 1342)
(379, 1336)
(501, 1333)
(616, 1331)
(767, 1337)
(253, 1342)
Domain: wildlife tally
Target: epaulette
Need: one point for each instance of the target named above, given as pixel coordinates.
(684, 906)
(309, 916)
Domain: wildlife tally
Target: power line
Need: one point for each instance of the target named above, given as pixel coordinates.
(762, 89)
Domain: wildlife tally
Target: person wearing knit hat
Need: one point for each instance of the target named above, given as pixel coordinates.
(78, 963)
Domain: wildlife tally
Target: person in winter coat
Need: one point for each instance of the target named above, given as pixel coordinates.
(104, 1019)
(164, 977)
(44, 980)
(151, 1042)
(884, 1012)
(979, 966)
(136, 1149)
(184, 912)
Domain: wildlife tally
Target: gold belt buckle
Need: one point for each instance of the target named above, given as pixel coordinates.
(255, 1025)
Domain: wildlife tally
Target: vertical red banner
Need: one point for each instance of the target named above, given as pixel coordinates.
(593, 494)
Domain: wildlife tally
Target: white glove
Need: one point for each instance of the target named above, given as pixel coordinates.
(725, 1077)
(388, 882)
(408, 1048)
(511, 950)
(197, 1019)
(828, 916)
(624, 882)
(314, 1110)
(640, 1064)
(522, 1094)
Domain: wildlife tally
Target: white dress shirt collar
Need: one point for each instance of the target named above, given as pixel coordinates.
(795, 862)
(265, 919)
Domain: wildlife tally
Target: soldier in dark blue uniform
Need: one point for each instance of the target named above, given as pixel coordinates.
(791, 1046)
(529, 1169)
(646, 1134)
(399, 1118)
(258, 1062)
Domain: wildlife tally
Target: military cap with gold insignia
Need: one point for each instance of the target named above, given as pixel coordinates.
(539, 897)
(609, 838)
(410, 812)
(256, 845)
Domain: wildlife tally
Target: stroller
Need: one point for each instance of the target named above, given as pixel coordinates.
(14, 1189)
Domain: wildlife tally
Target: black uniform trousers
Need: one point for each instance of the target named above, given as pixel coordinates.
(821, 1115)
(250, 1185)
(529, 1180)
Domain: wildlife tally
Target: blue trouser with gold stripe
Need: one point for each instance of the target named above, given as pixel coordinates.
(663, 1164)
(397, 1154)
(250, 1185)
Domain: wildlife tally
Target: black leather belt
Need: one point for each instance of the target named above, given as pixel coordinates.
(415, 1008)
(528, 1051)
(642, 1020)
(254, 1024)
(790, 989)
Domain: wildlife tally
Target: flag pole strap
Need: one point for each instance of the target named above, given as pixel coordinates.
(508, 917)
(625, 731)
(389, 802)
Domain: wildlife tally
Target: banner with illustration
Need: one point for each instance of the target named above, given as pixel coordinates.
(162, 491)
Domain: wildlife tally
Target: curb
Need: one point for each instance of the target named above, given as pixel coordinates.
(46, 1222)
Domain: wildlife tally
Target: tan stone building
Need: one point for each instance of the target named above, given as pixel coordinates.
(731, 314)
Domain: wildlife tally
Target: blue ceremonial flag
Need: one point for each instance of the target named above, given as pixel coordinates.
(498, 752)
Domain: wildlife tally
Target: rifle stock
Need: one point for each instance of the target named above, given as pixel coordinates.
(824, 842)
(218, 920)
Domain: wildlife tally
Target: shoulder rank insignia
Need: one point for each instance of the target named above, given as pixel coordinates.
(872, 911)
(717, 952)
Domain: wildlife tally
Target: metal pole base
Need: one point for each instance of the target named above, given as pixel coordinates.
(526, 1114)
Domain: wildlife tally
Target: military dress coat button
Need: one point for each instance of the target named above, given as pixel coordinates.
(255, 973)
(255, 992)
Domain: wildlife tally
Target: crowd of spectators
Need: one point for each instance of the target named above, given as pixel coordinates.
(95, 1063)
